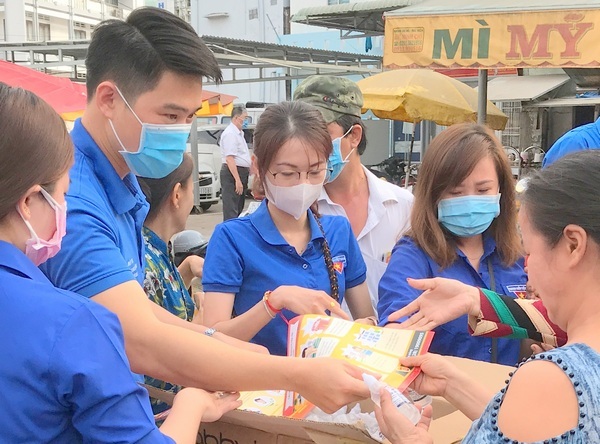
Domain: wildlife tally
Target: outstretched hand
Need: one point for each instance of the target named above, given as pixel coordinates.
(302, 300)
(442, 300)
(397, 428)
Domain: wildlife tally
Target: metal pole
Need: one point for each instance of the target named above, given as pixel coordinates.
(482, 97)
(71, 22)
(410, 151)
(194, 151)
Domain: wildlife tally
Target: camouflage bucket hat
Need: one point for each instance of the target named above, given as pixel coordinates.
(334, 96)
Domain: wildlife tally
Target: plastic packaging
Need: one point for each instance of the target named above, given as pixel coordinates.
(402, 403)
(419, 399)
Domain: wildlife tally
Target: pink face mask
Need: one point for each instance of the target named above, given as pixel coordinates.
(40, 250)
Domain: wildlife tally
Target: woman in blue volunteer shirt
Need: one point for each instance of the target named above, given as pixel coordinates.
(464, 228)
(284, 259)
(66, 376)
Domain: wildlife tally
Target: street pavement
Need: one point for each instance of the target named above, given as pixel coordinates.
(206, 222)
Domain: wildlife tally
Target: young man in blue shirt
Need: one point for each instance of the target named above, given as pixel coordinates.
(585, 137)
(144, 82)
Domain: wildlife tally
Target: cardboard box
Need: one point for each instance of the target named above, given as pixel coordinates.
(449, 425)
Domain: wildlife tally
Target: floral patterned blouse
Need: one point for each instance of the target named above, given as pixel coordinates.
(164, 286)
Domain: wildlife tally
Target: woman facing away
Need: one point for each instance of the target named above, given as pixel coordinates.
(171, 199)
(555, 395)
(464, 228)
(67, 378)
(284, 259)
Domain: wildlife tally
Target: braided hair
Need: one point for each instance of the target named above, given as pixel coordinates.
(333, 280)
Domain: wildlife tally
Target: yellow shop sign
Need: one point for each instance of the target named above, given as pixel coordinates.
(524, 39)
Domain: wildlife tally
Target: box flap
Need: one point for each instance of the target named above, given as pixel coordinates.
(450, 428)
(296, 428)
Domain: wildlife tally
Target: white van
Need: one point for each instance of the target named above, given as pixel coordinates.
(209, 160)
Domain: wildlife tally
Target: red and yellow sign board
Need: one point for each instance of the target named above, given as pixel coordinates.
(566, 38)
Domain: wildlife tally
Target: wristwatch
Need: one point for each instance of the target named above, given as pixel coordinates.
(210, 331)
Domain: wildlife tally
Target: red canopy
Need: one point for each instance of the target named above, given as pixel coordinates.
(69, 98)
(60, 93)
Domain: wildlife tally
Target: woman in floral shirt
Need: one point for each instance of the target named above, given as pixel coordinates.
(171, 200)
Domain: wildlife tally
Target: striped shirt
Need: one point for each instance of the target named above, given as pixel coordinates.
(503, 316)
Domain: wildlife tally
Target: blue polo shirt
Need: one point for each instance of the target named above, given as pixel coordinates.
(452, 338)
(584, 137)
(248, 256)
(104, 246)
(65, 377)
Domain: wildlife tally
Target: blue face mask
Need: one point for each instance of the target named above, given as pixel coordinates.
(468, 216)
(336, 163)
(245, 124)
(161, 148)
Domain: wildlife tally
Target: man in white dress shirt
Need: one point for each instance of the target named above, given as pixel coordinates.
(378, 211)
(235, 158)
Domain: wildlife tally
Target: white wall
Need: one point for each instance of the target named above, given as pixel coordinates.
(230, 18)
(59, 29)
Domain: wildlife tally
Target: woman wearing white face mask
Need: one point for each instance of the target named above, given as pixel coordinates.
(283, 259)
(64, 356)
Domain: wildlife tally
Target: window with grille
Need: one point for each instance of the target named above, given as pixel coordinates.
(44, 32)
(511, 135)
(253, 14)
(30, 33)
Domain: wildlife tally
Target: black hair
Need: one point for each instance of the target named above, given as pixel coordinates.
(566, 192)
(157, 191)
(238, 110)
(346, 121)
(135, 53)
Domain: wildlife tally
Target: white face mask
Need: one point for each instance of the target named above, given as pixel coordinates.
(294, 200)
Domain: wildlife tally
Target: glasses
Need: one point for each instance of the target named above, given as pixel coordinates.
(290, 177)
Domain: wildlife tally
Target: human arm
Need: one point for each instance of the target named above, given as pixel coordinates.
(169, 318)
(226, 269)
(540, 403)
(490, 314)
(438, 377)
(191, 268)
(193, 406)
(163, 351)
(218, 308)
(239, 186)
(407, 260)
(442, 300)
(397, 428)
(355, 273)
(360, 305)
(93, 264)
(501, 315)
